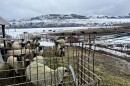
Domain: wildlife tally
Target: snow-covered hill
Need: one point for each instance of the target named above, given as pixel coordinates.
(72, 20)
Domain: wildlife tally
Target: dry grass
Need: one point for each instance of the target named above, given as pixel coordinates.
(109, 74)
(112, 78)
(105, 68)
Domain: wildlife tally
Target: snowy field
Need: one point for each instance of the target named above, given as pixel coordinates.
(121, 40)
(108, 39)
(15, 32)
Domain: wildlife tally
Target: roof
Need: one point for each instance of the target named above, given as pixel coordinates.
(3, 21)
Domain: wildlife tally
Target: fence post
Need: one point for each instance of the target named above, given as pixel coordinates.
(82, 64)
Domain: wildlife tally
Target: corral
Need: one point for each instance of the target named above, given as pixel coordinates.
(73, 61)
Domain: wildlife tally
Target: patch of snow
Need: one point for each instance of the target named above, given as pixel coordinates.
(46, 43)
(114, 52)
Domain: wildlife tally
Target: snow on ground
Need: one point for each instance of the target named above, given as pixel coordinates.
(46, 43)
(112, 40)
(114, 52)
(15, 32)
(123, 41)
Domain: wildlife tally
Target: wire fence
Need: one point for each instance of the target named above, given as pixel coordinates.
(28, 63)
(75, 62)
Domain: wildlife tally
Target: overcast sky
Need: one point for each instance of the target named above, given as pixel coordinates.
(17, 9)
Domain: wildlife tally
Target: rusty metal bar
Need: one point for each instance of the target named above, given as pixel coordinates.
(82, 61)
(93, 55)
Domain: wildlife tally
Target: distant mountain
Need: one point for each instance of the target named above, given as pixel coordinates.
(64, 20)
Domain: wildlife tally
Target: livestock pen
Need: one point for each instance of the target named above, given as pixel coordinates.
(28, 61)
(78, 60)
